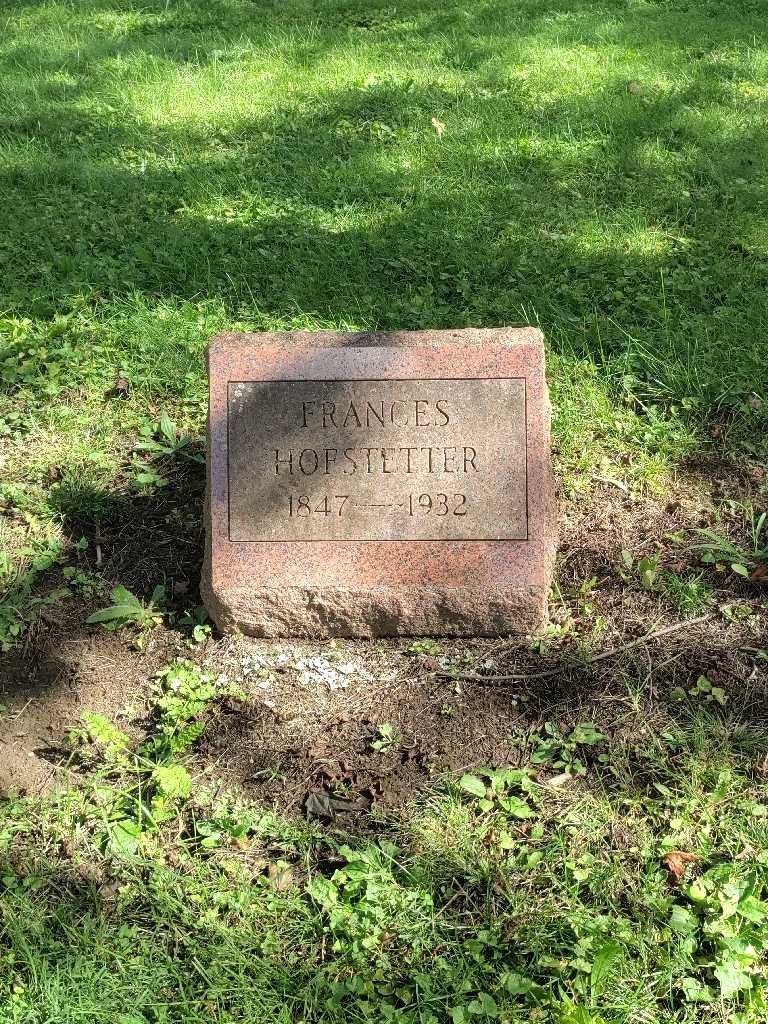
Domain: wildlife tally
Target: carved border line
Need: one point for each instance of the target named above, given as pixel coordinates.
(381, 540)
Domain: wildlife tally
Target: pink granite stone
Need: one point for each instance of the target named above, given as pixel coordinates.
(379, 484)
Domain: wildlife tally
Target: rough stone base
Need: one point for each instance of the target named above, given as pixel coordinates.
(343, 612)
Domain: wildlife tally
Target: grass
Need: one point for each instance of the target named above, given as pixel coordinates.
(284, 170)
(546, 892)
(596, 168)
(169, 170)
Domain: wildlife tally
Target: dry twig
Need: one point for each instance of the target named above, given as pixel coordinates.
(603, 656)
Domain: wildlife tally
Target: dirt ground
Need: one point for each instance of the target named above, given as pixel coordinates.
(355, 726)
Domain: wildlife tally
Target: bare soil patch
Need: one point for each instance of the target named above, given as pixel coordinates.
(356, 727)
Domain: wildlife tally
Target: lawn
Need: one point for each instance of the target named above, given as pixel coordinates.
(511, 853)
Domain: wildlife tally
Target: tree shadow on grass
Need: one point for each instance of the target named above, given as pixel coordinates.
(135, 540)
(143, 538)
(503, 218)
(264, 228)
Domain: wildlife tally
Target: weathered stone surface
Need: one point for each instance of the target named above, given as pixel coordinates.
(379, 484)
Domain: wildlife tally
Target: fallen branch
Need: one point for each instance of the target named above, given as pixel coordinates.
(604, 656)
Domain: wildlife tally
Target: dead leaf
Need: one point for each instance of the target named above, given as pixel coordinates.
(332, 772)
(121, 388)
(320, 804)
(760, 574)
(559, 780)
(109, 890)
(438, 126)
(281, 876)
(676, 862)
(748, 853)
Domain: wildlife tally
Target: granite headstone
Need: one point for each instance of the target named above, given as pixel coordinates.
(379, 484)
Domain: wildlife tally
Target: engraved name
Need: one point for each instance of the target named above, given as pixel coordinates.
(419, 412)
(348, 461)
(407, 459)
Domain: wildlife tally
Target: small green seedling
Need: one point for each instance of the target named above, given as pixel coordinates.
(201, 627)
(163, 439)
(85, 584)
(99, 738)
(127, 608)
(562, 752)
(584, 597)
(511, 790)
(387, 738)
(718, 550)
(153, 781)
(424, 648)
(646, 570)
(708, 692)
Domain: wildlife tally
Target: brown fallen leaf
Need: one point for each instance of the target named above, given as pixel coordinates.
(110, 889)
(120, 389)
(281, 876)
(559, 780)
(676, 862)
(760, 574)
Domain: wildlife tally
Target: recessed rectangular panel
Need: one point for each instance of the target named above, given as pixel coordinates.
(377, 460)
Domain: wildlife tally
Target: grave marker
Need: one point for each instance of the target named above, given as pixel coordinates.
(379, 484)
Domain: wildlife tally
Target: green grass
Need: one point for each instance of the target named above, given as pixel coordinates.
(168, 170)
(515, 895)
(171, 169)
